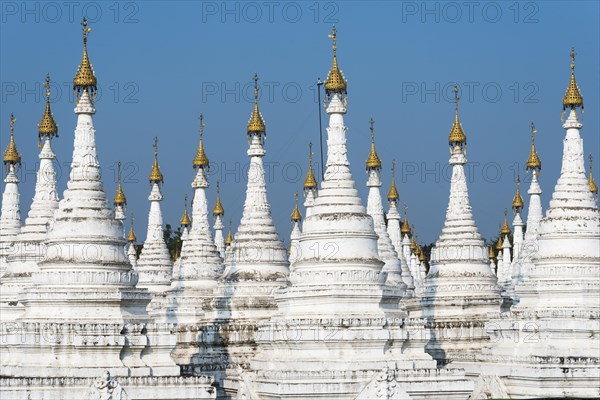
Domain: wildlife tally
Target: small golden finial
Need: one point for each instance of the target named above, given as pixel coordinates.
(492, 253)
(393, 192)
(533, 162)
(573, 97)
(119, 199)
(335, 82)
(373, 161)
(185, 219)
(218, 210)
(517, 203)
(310, 183)
(85, 80)
(11, 154)
(296, 216)
(229, 239)
(131, 237)
(457, 135)
(592, 183)
(405, 229)
(256, 124)
(155, 175)
(505, 230)
(47, 127)
(413, 243)
(201, 160)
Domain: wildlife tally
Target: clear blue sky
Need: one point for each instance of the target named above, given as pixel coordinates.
(160, 64)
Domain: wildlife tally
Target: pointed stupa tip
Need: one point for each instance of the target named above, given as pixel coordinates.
(492, 253)
(11, 154)
(413, 243)
(335, 82)
(573, 98)
(592, 183)
(85, 80)
(296, 216)
(120, 199)
(373, 161)
(457, 135)
(405, 228)
(505, 230)
(155, 175)
(229, 238)
(218, 209)
(256, 124)
(131, 237)
(201, 160)
(533, 162)
(310, 183)
(518, 203)
(393, 192)
(47, 126)
(185, 219)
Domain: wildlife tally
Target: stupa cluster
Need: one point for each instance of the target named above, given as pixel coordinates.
(353, 309)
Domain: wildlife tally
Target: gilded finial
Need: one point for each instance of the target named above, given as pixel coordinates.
(47, 127)
(373, 161)
(185, 219)
(413, 243)
(505, 230)
(573, 97)
(421, 255)
(592, 183)
(201, 160)
(155, 175)
(533, 162)
(499, 244)
(229, 238)
(256, 124)
(296, 216)
(457, 135)
(11, 154)
(393, 193)
(85, 80)
(310, 183)
(405, 229)
(131, 237)
(517, 203)
(218, 210)
(119, 199)
(492, 253)
(335, 82)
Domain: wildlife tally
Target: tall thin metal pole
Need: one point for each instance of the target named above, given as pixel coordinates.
(319, 84)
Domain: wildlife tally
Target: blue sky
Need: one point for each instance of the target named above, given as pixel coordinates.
(160, 64)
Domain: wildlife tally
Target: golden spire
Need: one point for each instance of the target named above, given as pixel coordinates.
(310, 183)
(131, 237)
(11, 154)
(593, 186)
(573, 97)
(201, 161)
(405, 228)
(457, 135)
(413, 243)
(421, 254)
(85, 80)
(229, 238)
(47, 127)
(296, 216)
(492, 253)
(335, 82)
(533, 162)
(505, 230)
(393, 193)
(373, 161)
(499, 244)
(218, 210)
(256, 124)
(185, 219)
(155, 175)
(517, 203)
(119, 199)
